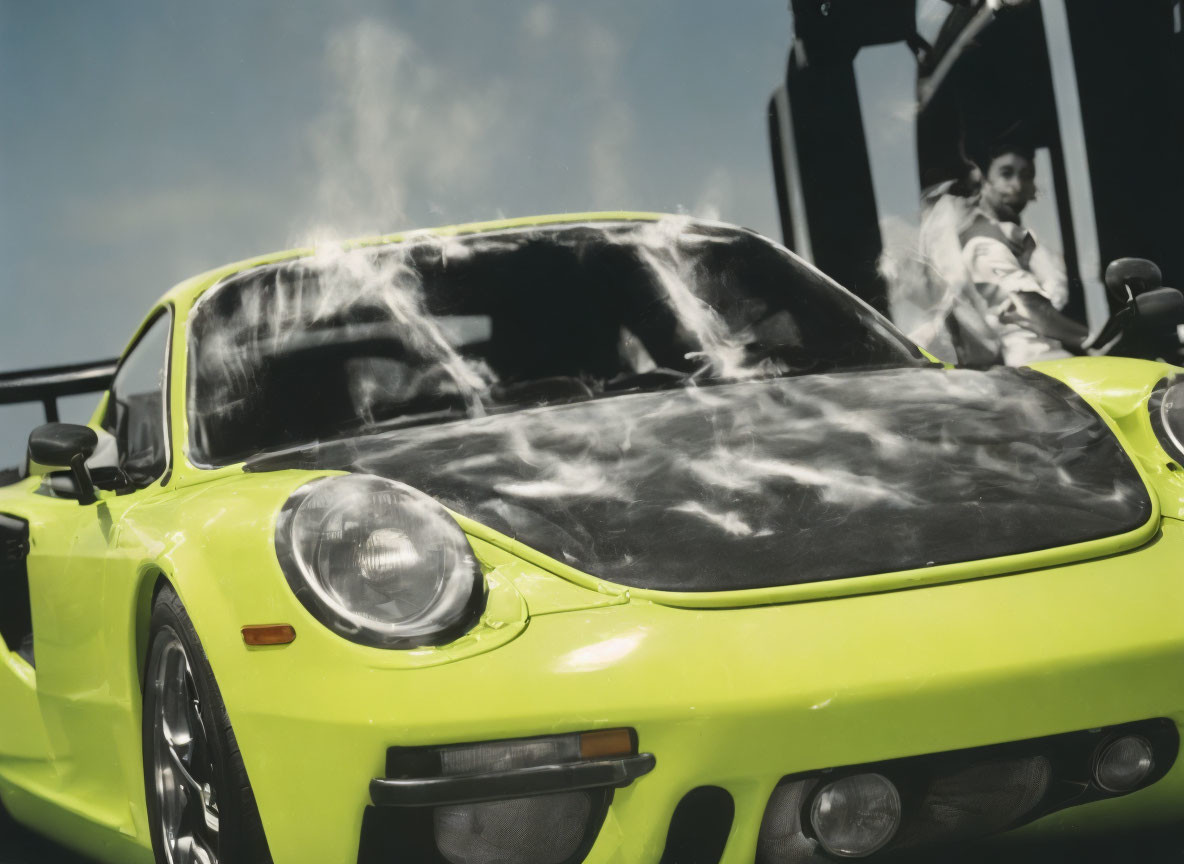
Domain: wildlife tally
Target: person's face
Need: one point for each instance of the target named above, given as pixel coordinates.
(1010, 183)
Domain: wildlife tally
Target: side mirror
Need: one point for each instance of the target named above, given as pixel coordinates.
(1129, 277)
(66, 445)
(1161, 308)
(1159, 316)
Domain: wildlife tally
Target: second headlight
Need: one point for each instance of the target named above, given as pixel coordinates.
(378, 562)
(1166, 408)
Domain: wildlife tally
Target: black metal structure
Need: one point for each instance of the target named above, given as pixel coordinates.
(828, 208)
(48, 384)
(1099, 83)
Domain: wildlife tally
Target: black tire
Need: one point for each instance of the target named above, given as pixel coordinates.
(239, 837)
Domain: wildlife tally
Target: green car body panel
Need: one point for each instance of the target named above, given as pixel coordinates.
(734, 689)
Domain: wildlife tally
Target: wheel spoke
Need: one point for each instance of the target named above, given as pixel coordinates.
(210, 810)
(173, 697)
(199, 752)
(193, 786)
(207, 850)
(193, 851)
(179, 689)
(175, 739)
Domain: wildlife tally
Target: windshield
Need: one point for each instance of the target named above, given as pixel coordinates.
(437, 329)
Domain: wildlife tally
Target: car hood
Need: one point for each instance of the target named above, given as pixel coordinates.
(776, 482)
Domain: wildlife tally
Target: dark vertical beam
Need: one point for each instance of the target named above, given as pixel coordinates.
(1078, 306)
(835, 173)
(1128, 60)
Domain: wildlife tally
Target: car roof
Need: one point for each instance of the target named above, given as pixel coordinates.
(185, 293)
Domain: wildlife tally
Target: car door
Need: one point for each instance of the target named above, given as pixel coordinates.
(84, 663)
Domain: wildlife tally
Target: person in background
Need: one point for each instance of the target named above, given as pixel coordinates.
(1022, 284)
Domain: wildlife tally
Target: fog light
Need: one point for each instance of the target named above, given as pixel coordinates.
(1124, 763)
(856, 815)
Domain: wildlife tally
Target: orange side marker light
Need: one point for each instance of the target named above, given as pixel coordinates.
(268, 634)
(607, 742)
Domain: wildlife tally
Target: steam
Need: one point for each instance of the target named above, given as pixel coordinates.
(730, 522)
(391, 283)
(715, 198)
(918, 304)
(608, 148)
(306, 307)
(406, 139)
(661, 245)
(540, 21)
(928, 281)
(398, 127)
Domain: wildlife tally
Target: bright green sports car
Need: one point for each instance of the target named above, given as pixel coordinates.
(603, 537)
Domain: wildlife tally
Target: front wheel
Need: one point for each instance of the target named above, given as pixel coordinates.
(201, 809)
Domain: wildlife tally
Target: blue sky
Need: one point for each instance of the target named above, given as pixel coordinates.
(142, 142)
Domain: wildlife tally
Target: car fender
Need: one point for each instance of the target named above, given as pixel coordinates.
(1119, 389)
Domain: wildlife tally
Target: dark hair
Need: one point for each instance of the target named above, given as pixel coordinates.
(992, 150)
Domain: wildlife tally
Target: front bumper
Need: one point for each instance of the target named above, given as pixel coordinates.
(737, 698)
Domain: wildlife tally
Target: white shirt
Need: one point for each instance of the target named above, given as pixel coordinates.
(1001, 270)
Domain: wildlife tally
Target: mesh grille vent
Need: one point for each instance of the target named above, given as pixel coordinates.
(547, 829)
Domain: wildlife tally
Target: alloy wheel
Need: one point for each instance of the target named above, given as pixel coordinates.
(182, 761)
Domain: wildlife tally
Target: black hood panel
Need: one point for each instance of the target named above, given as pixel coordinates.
(776, 482)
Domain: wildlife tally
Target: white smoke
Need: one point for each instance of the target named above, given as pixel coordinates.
(920, 299)
(398, 127)
(540, 21)
(404, 139)
(609, 146)
(715, 198)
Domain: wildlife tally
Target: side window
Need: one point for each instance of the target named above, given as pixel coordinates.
(136, 409)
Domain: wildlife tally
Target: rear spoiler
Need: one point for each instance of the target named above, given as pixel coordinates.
(50, 383)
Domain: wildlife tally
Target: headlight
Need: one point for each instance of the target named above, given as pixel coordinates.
(1166, 406)
(378, 562)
